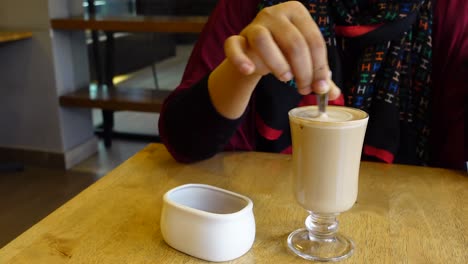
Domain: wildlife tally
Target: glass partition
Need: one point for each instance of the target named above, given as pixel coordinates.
(149, 7)
(110, 7)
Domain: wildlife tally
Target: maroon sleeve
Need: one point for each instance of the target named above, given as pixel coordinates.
(450, 78)
(207, 132)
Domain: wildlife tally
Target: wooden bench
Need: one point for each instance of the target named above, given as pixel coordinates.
(168, 24)
(104, 95)
(116, 99)
(11, 36)
(111, 99)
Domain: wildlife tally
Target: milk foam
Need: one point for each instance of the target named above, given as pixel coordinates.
(333, 114)
(329, 116)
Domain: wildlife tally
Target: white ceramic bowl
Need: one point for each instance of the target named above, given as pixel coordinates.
(208, 222)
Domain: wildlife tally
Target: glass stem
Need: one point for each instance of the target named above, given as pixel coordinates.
(322, 226)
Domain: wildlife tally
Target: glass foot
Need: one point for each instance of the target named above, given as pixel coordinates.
(333, 248)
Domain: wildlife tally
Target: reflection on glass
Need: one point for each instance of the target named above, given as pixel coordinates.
(110, 7)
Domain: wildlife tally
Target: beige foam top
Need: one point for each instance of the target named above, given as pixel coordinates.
(335, 115)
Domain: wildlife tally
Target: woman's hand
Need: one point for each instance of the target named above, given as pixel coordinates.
(284, 40)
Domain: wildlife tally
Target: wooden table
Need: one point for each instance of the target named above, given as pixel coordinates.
(404, 214)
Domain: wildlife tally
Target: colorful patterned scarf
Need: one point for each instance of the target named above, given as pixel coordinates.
(380, 54)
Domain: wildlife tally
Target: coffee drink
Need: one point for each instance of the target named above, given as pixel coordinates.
(326, 156)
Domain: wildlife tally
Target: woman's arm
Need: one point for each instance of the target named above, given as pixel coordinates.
(189, 125)
(282, 40)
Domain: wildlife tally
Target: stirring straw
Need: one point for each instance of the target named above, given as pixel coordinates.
(322, 101)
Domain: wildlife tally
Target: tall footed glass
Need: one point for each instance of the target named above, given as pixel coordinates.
(326, 158)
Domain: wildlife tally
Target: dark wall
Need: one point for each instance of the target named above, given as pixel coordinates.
(135, 51)
(175, 7)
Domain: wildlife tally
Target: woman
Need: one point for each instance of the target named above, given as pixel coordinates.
(275, 55)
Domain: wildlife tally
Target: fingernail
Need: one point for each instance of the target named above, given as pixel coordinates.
(322, 87)
(286, 76)
(246, 68)
(304, 90)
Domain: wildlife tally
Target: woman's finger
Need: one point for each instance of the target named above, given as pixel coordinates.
(317, 47)
(334, 91)
(293, 45)
(235, 48)
(264, 44)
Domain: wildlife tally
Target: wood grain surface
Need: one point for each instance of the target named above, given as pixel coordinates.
(404, 214)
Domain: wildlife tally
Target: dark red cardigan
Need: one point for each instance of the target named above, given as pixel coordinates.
(192, 130)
